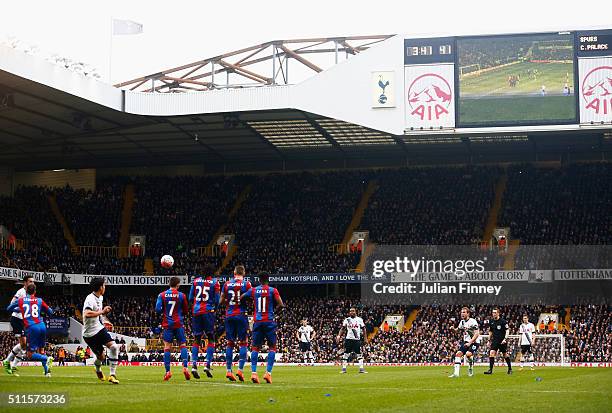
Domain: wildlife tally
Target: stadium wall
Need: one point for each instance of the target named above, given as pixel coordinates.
(345, 90)
(169, 171)
(213, 101)
(76, 178)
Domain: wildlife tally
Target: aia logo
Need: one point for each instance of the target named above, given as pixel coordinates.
(429, 97)
(597, 90)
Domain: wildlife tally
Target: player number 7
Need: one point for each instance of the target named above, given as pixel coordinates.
(171, 304)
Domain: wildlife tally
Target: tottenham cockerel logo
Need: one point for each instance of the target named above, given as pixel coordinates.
(429, 97)
(597, 90)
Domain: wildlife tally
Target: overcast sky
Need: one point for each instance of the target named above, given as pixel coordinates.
(176, 33)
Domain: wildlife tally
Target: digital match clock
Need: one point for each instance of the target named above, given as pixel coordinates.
(439, 50)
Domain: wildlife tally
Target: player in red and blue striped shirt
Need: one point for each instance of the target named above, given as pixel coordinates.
(265, 300)
(236, 322)
(31, 308)
(204, 296)
(172, 304)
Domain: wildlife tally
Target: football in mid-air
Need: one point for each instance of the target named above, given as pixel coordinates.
(167, 261)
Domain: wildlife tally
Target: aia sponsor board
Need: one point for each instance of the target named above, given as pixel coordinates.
(430, 96)
(595, 89)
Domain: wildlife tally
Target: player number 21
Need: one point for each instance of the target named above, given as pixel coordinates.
(235, 297)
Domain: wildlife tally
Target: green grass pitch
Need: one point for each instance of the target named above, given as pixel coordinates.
(488, 98)
(323, 389)
(517, 109)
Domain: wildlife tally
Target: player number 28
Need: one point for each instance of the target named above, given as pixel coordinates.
(33, 309)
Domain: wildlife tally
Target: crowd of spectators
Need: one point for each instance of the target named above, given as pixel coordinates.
(180, 214)
(508, 50)
(590, 336)
(94, 217)
(28, 217)
(497, 52)
(289, 222)
(568, 205)
(438, 206)
(551, 51)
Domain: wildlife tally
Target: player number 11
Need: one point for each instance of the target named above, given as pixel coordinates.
(261, 304)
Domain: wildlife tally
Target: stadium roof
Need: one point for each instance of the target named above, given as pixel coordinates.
(257, 65)
(52, 118)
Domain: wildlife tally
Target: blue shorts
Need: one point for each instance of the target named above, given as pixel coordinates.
(170, 334)
(97, 342)
(236, 327)
(473, 348)
(265, 329)
(204, 323)
(36, 335)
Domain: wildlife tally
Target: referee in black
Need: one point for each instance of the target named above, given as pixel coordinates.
(499, 340)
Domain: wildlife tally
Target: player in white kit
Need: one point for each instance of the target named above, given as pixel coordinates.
(355, 332)
(95, 334)
(305, 335)
(527, 332)
(470, 343)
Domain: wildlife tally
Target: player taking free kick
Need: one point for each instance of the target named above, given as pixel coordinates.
(95, 334)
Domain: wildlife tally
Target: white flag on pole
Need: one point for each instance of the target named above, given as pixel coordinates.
(126, 27)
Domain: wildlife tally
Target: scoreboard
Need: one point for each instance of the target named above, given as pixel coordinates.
(597, 43)
(508, 81)
(420, 51)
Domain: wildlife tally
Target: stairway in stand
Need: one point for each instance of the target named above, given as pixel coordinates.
(62, 221)
(126, 220)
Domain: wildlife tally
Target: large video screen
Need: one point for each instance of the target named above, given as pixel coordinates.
(516, 80)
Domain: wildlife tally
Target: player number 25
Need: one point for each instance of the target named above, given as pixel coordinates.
(202, 292)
